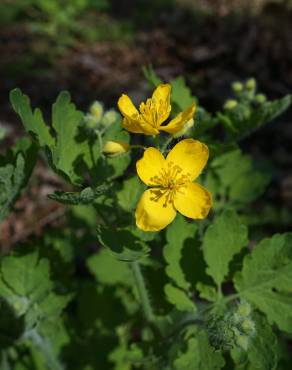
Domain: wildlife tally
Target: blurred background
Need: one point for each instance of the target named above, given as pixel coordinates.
(97, 49)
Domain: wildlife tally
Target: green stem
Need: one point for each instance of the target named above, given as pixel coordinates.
(219, 292)
(143, 294)
(156, 141)
(99, 141)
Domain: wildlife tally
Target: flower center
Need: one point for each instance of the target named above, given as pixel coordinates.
(153, 111)
(149, 113)
(170, 180)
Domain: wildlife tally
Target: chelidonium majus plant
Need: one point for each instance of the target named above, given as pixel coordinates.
(160, 260)
(170, 179)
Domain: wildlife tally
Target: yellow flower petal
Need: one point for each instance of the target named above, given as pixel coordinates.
(193, 201)
(133, 121)
(151, 215)
(127, 107)
(190, 155)
(150, 165)
(161, 101)
(179, 121)
(131, 115)
(132, 126)
(139, 127)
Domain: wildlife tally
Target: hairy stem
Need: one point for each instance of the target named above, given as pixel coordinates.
(143, 294)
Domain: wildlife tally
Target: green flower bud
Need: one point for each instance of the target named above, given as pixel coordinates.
(96, 110)
(237, 86)
(242, 341)
(260, 98)
(91, 121)
(248, 326)
(251, 84)
(109, 118)
(236, 318)
(230, 104)
(244, 309)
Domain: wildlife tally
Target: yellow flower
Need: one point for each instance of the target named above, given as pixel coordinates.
(171, 185)
(152, 114)
(113, 148)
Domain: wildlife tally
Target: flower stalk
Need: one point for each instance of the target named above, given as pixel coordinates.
(142, 291)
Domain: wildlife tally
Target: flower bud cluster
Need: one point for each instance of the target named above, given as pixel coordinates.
(97, 117)
(245, 93)
(234, 329)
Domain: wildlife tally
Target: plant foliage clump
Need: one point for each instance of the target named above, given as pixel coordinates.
(127, 283)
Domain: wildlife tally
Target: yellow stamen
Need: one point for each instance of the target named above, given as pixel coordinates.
(169, 181)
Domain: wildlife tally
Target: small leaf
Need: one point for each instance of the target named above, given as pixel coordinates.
(181, 94)
(33, 121)
(179, 298)
(207, 292)
(151, 76)
(119, 272)
(86, 196)
(269, 111)
(68, 149)
(222, 241)
(15, 170)
(122, 243)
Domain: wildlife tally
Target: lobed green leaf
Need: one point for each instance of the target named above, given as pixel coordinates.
(266, 279)
(222, 241)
